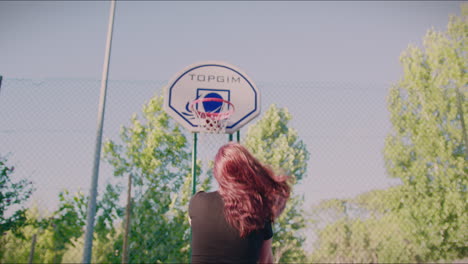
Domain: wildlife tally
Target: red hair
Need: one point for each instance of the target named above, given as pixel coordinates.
(251, 192)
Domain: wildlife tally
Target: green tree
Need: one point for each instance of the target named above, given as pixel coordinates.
(54, 233)
(12, 196)
(16, 249)
(63, 227)
(276, 144)
(427, 148)
(362, 230)
(424, 218)
(107, 232)
(59, 232)
(155, 153)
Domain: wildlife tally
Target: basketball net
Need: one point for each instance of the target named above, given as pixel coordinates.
(211, 120)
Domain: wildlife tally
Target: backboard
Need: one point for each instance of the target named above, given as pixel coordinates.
(212, 79)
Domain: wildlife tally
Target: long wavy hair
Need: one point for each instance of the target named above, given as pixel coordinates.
(251, 192)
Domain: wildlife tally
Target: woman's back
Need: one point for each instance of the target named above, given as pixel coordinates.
(214, 240)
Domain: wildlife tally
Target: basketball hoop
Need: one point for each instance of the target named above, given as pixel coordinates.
(214, 116)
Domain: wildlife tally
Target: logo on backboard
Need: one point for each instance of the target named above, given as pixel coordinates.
(209, 106)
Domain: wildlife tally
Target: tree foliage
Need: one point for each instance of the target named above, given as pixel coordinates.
(12, 195)
(62, 228)
(55, 233)
(362, 230)
(155, 153)
(427, 148)
(274, 143)
(59, 232)
(13, 217)
(424, 219)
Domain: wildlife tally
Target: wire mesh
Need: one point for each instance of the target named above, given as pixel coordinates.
(47, 128)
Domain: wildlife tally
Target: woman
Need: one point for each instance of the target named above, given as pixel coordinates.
(233, 224)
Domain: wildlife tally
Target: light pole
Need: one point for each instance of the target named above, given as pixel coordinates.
(88, 243)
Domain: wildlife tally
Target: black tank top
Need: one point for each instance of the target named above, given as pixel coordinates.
(214, 240)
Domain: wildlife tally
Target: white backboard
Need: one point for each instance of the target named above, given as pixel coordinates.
(212, 79)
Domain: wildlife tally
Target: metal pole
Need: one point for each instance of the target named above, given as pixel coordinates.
(127, 221)
(33, 247)
(230, 137)
(56, 257)
(88, 243)
(238, 136)
(460, 99)
(194, 163)
(194, 178)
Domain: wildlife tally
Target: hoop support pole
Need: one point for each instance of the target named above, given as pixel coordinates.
(194, 178)
(194, 163)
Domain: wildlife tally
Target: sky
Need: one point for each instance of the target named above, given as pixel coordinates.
(330, 63)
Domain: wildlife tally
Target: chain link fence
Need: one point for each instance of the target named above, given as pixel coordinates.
(48, 130)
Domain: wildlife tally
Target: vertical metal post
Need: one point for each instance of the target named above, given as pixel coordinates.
(230, 137)
(238, 136)
(460, 99)
(194, 163)
(88, 243)
(127, 220)
(56, 257)
(33, 247)
(194, 178)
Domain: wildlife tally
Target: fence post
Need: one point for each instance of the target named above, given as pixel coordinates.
(460, 99)
(127, 221)
(33, 244)
(56, 258)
